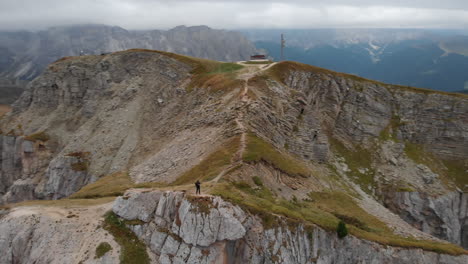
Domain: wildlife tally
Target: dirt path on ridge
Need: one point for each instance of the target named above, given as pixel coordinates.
(252, 70)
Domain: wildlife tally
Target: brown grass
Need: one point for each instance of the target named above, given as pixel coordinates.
(40, 136)
(259, 150)
(212, 165)
(451, 171)
(111, 185)
(215, 82)
(324, 209)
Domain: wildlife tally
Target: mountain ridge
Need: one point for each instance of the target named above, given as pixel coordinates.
(278, 140)
(25, 54)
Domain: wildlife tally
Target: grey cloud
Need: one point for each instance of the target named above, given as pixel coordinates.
(151, 14)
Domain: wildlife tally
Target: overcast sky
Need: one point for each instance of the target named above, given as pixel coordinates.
(232, 14)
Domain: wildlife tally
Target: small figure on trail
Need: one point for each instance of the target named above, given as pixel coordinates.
(197, 185)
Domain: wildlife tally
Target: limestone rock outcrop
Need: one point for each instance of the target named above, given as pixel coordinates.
(445, 216)
(119, 111)
(185, 229)
(41, 234)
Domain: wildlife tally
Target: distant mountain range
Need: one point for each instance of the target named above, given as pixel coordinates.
(23, 55)
(10, 90)
(435, 59)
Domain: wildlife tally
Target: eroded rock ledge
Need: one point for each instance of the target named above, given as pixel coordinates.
(179, 228)
(445, 217)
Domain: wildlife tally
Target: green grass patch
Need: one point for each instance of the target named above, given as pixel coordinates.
(359, 161)
(258, 150)
(40, 136)
(325, 209)
(132, 249)
(389, 132)
(226, 68)
(450, 171)
(217, 77)
(257, 181)
(212, 165)
(134, 222)
(457, 170)
(102, 249)
(405, 189)
(111, 185)
(417, 153)
(150, 185)
(258, 62)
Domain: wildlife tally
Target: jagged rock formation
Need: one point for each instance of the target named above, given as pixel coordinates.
(282, 131)
(210, 230)
(25, 55)
(177, 228)
(445, 216)
(112, 105)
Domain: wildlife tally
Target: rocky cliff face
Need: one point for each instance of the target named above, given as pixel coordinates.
(181, 229)
(25, 55)
(107, 114)
(177, 228)
(445, 216)
(360, 111)
(280, 136)
(415, 138)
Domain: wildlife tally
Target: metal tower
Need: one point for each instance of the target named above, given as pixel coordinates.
(283, 45)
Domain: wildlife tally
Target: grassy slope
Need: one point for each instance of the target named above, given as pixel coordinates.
(211, 166)
(107, 186)
(359, 162)
(259, 150)
(449, 170)
(133, 250)
(324, 210)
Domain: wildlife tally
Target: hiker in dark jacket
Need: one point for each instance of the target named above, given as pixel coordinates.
(197, 185)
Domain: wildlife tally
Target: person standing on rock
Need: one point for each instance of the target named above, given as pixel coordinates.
(197, 185)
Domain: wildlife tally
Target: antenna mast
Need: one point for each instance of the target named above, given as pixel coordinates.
(283, 44)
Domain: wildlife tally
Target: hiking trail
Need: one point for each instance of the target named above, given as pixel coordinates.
(252, 70)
